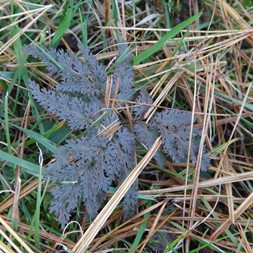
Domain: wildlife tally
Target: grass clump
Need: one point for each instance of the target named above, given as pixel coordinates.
(202, 65)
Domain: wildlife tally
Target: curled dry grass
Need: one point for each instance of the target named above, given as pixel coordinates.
(207, 71)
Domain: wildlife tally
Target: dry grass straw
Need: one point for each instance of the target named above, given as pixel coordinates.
(239, 177)
(230, 11)
(40, 12)
(223, 66)
(212, 73)
(127, 228)
(240, 210)
(9, 239)
(162, 95)
(25, 229)
(155, 227)
(26, 188)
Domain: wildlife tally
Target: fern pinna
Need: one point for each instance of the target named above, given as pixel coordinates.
(84, 168)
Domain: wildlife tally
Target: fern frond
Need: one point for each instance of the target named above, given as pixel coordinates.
(125, 161)
(77, 112)
(174, 128)
(77, 76)
(147, 136)
(124, 142)
(85, 168)
(94, 69)
(87, 165)
(123, 74)
(143, 98)
(48, 56)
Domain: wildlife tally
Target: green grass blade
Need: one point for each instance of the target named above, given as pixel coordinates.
(237, 101)
(38, 204)
(83, 28)
(6, 123)
(141, 230)
(28, 167)
(37, 137)
(172, 33)
(63, 26)
(139, 196)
